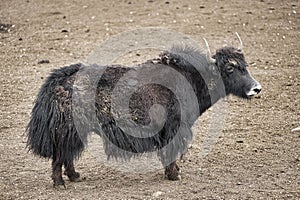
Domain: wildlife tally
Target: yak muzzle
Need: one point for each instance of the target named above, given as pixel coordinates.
(255, 89)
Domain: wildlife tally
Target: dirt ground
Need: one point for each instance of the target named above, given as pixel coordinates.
(257, 154)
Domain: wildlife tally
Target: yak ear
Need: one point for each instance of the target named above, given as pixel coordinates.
(214, 69)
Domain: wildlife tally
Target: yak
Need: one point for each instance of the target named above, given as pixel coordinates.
(52, 132)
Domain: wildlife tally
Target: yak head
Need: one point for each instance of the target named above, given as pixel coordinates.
(232, 66)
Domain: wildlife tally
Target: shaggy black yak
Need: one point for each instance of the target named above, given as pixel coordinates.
(53, 134)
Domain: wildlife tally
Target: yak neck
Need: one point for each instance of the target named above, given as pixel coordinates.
(193, 65)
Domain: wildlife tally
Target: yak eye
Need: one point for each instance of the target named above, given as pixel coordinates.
(229, 68)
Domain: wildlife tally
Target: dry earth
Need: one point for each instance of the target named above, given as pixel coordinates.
(257, 155)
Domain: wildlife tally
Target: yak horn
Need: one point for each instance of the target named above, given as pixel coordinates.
(240, 40)
(208, 55)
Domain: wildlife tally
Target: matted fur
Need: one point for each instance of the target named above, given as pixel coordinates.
(52, 133)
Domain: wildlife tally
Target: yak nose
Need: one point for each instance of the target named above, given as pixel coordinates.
(254, 90)
(257, 89)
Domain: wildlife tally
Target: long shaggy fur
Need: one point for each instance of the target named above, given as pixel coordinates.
(51, 129)
(52, 132)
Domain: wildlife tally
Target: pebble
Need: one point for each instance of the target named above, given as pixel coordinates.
(43, 61)
(157, 194)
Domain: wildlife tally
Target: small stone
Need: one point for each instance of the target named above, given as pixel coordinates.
(157, 194)
(296, 129)
(179, 178)
(43, 61)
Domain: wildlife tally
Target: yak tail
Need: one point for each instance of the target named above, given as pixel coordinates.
(48, 123)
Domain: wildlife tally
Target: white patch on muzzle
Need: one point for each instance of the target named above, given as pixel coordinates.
(255, 89)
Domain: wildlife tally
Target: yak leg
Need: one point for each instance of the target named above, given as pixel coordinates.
(57, 171)
(168, 159)
(70, 171)
(172, 171)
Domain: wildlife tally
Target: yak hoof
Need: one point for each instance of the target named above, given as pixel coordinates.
(173, 176)
(58, 183)
(73, 176)
(172, 172)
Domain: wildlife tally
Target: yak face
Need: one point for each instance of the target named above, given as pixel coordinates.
(233, 68)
